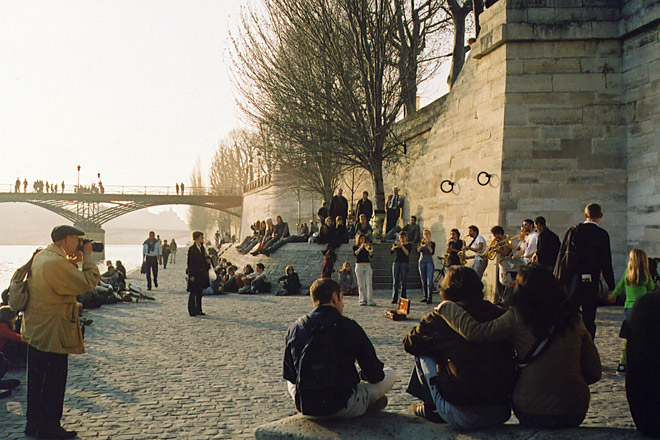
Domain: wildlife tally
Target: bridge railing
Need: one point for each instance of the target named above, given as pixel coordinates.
(127, 189)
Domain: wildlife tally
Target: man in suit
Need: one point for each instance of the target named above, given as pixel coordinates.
(394, 204)
(198, 274)
(589, 244)
(548, 245)
(364, 206)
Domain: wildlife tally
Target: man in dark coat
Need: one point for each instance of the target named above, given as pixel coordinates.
(585, 253)
(198, 274)
(339, 205)
(394, 205)
(364, 206)
(548, 244)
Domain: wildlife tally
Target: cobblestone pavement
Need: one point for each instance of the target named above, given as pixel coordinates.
(151, 371)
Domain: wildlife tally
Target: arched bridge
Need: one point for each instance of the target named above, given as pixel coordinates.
(92, 208)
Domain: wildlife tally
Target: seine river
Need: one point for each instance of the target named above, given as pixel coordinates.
(12, 257)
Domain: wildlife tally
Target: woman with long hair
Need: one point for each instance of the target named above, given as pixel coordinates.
(636, 281)
(556, 355)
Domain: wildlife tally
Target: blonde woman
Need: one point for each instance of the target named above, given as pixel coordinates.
(636, 281)
(363, 251)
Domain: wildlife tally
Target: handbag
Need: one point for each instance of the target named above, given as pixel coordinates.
(212, 275)
(143, 269)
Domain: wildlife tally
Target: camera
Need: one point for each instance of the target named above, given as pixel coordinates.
(97, 246)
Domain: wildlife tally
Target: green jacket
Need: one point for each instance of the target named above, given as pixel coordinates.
(51, 321)
(632, 292)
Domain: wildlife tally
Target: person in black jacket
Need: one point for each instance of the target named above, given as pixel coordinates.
(364, 206)
(198, 274)
(290, 283)
(338, 205)
(353, 344)
(467, 385)
(585, 253)
(548, 245)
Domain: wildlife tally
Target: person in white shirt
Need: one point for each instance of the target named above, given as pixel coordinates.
(530, 242)
(478, 246)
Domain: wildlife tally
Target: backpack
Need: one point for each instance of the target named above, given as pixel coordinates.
(319, 384)
(18, 287)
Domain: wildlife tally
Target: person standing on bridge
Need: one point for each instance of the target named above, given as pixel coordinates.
(25, 185)
(177, 189)
(182, 193)
(17, 186)
(151, 257)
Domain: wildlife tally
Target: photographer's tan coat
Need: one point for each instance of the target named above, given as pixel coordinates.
(51, 321)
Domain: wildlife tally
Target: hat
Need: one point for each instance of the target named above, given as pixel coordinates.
(63, 231)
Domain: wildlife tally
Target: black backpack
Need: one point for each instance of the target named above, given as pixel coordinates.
(320, 390)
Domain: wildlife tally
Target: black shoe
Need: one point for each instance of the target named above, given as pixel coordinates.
(394, 301)
(9, 384)
(424, 300)
(149, 288)
(30, 429)
(421, 409)
(429, 302)
(621, 369)
(57, 433)
(201, 314)
(155, 283)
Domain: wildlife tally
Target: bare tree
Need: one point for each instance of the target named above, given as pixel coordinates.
(199, 218)
(352, 179)
(416, 22)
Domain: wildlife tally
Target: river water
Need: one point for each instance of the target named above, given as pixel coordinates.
(13, 257)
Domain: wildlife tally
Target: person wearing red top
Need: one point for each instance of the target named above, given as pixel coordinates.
(11, 344)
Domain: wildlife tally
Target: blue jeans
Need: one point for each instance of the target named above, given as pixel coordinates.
(461, 417)
(400, 279)
(390, 236)
(426, 275)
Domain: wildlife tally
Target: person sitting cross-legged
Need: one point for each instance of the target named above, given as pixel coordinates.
(467, 385)
(319, 360)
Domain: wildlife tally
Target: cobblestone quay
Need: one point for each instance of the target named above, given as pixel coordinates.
(153, 372)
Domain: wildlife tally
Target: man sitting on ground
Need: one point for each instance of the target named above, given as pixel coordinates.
(323, 381)
(256, 282)
(111, 277)
(412, 228)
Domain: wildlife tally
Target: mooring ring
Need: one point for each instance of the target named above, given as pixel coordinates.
(448, 182)
(483, 173)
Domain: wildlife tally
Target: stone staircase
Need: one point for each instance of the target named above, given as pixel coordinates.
(307, 260)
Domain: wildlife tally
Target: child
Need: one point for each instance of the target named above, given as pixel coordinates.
(329, 258)
(637, 281)
(290, 283)
(348, 287)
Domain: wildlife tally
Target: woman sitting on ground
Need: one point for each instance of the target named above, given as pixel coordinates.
(346, 281)
(552, 390)
(290, 283)
(11, 344)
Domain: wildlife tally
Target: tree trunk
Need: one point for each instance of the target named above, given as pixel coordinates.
(379, 186)
(458, 55)
(478, 8)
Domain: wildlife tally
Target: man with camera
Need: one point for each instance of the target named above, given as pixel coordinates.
(51, 326)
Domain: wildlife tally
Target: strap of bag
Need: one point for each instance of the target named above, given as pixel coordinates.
(539, 347)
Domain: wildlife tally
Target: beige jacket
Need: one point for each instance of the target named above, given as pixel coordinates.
(556, 382)
(51, 322)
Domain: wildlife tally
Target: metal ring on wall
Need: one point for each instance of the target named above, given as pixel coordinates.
(448, 182)
(483, 173)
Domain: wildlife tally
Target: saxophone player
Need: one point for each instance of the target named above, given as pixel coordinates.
(454, 246)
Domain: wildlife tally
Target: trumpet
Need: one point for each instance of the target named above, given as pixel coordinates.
(369, 248)
(424, 242)
(495, 246)
(397, 244)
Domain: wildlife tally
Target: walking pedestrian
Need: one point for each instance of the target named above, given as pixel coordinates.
(151, 257)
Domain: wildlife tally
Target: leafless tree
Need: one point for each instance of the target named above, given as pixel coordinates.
(199, 218)
(417, 22)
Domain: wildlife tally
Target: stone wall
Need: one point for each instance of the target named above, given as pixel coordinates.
(641, 86)
(271, 199)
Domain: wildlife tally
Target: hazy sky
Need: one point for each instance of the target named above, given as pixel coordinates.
(134, 90)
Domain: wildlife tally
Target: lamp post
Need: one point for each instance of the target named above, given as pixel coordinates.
(78, 185)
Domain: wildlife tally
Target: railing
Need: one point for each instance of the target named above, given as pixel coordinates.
(258, 182)
(127, 189)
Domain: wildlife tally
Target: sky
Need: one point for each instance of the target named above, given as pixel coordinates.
(137, 91)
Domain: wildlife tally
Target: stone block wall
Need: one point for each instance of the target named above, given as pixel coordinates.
(565, 121)
(641, 94)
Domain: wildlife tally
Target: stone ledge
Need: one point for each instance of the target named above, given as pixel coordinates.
(391, 425)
